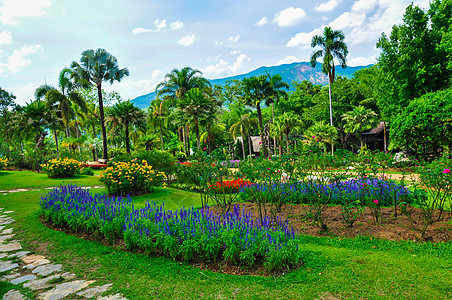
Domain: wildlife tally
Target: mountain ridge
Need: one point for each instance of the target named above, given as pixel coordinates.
(297, 71)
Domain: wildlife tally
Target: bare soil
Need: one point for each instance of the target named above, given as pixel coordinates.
(390, 227)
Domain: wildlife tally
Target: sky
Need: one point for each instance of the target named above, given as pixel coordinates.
(221, 38)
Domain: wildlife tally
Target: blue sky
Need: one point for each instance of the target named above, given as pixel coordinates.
(221, 38)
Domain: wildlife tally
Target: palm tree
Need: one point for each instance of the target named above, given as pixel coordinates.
(126, 113)
(358, 120)
(243, 128)
(332, 46)
(157, 113)
(322, 133)
(36, 116)
(178, 82)
(96, 67)
(289, 123)
(255, 90)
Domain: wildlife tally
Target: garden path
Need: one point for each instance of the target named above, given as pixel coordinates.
(37, 274)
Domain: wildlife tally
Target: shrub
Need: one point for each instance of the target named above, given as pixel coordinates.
(3, 163)
(61, 168)
(86, 171)
(131, 178)
(186, 234)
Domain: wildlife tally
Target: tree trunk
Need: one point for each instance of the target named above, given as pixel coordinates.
(55, 135)
(102, 122)
(183, 139)
(198, 141)
(261, 129)
(362, 144)
(385, 148)
(250, 144)
(287, 139)
(188, 139)
(331, 109)
(161, 136)
(126, 125)
(209, 138)
(273, 121)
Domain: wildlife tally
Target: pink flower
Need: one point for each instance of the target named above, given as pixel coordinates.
(260, 142)
(268, 168)
(446, 171)
(375, 201)
(313, 136)
(204, 148)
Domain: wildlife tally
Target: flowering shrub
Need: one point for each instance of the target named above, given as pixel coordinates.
(230, 185)
(187, 234)
(61, 168)
(3, 163)
(131, 178)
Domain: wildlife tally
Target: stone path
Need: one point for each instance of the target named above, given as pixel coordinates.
(36, 273)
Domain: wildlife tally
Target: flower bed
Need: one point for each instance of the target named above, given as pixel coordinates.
(3, 163)
(61, 168)
(131, 178)
(186, 234)
(384, 191)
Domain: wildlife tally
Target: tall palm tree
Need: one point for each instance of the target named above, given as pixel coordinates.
(322, 133)
(358, 120)
(178, 82)
(243, 128)
(126, 113)
(36, 117)
(332, 46)
(255, 90)
(96, 67)
(157, 113)
(289, 123)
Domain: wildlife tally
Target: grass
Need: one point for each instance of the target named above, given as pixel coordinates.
(335, 268)
(10, 180)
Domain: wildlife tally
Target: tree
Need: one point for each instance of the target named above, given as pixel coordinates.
(322, 133)
(157, 116)
(96, 67)
(243, 128)
(332, 46)
(358, 120)
(126, 113)
(425, 126)
(36, 117)
(7, 104)
(288, 123)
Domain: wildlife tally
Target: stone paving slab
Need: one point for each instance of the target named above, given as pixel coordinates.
(7, 265)
(3, 255)
(6, 237)
(62, 290)
(113, 297)
(68, 276)
(6, 221)
(19, 254)
(2, 227)
(8, 211)
(37, 264)
(12, 276)
(94, 291)
(39, 284)
(48, 269)
(23, 279)
(13, 295)
(6, 231)
(10, 247)
(32, 258)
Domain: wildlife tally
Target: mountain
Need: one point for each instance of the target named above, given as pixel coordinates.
(290, 72)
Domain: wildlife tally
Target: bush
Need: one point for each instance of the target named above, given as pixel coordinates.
(131, 178)
(3, 163)
(61, 168)
(86, 171)
(114, 152)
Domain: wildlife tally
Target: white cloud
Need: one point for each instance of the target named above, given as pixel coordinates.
(327, 6)
(361, 61)
(25, 93)
(211, 59)
(187, 40)
(348, 19)
(139, 30)
(289, 16)
(11, 10)
(262, 21)
(18, 60)
(176, 25)
(364, 5)
(224, 68)
(288, 60)
(303, 38)
(233, 52)
(5, 37)
(160, 24)
(234, 38)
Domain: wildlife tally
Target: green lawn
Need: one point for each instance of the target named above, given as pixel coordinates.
(334, 268)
